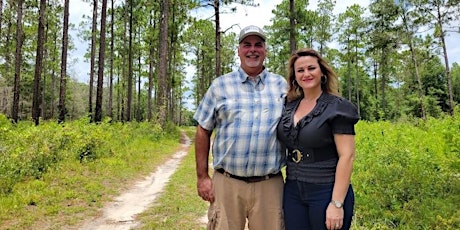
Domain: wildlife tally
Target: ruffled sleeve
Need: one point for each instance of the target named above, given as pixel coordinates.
(344, 116)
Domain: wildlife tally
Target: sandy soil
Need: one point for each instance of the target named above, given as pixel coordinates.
(120, 214)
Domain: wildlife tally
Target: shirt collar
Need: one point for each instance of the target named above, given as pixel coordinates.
(245, 77)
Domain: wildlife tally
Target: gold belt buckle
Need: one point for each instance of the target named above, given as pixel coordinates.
(297, 156)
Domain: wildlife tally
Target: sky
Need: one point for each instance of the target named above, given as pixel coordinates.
(259, 16)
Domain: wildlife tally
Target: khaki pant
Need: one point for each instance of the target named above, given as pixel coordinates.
(235, 201)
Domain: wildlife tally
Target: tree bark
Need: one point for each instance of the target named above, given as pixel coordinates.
(17, 65)
(163, 62)
(151, 71)
(65, 40)
(38, 63)
(100, 74)
(130, 64)
(217, 15)
(112, 42)
(93, 57)
(446, 59)
(1, 16)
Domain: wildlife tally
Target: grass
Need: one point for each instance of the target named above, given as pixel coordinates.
(71, 191)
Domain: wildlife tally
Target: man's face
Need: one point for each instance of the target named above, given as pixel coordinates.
(252, 52)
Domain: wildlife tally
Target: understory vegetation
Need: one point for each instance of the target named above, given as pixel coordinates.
(53, 176)
(406, 174)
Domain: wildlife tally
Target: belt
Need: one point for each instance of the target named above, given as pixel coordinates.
(310, 155)
(251, 179)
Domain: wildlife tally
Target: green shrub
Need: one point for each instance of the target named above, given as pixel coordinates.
(28, 151)
(406, 175)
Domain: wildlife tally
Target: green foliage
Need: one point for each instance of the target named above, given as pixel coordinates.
(28, 151)
(406, 176)
(42, 168)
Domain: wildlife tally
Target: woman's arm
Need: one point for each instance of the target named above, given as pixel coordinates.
(345, 144)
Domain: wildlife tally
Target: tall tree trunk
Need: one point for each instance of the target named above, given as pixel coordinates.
(92, 58)
(101, 61)
(415, 63)
(130, 64)
(163, 62)
(53, 77)
(5, 102)
(139, 83)
(119, 99)
(17, 65)
(150, 87)
(292, 39)
(217, 15)
(172, 71)
(348, 69)
(1, 16)
(446, 59)
(151, 70)
(357, 81)
(65, 39)
(419, 81)
(383, 81)
(8, 48)
(112, 42)
(44, 111)
(376, 112)
(203, 83)
(171, 89)
(38, 63)
(124, 54)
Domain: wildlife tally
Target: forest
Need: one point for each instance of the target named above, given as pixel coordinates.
(68, 147)
(392, 57)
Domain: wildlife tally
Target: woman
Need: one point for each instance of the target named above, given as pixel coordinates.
(317, 129)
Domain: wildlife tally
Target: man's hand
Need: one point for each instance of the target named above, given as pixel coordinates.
(204, 187)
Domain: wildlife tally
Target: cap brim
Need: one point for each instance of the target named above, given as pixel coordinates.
(252, 33)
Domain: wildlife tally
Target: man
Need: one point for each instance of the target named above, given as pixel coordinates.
(243, 107)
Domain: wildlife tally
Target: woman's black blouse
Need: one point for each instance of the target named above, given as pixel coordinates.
(313, 136)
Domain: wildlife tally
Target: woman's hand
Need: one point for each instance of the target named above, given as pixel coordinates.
(334, 217)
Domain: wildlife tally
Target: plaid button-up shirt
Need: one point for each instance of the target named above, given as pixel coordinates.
(244, 114)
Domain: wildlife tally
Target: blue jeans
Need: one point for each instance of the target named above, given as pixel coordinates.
(305, 205)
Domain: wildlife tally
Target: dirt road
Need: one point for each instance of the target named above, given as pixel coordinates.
(120, 214)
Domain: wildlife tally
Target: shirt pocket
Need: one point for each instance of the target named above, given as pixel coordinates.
(272, 107)
(234, 110)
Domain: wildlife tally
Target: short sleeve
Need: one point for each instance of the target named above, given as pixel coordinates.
(345, 118)
(205, 113)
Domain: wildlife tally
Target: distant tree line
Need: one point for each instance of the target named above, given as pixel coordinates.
(392, 59)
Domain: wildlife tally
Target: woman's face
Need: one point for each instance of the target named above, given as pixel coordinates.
(307, 72)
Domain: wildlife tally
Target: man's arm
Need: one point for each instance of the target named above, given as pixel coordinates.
(202, 146)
